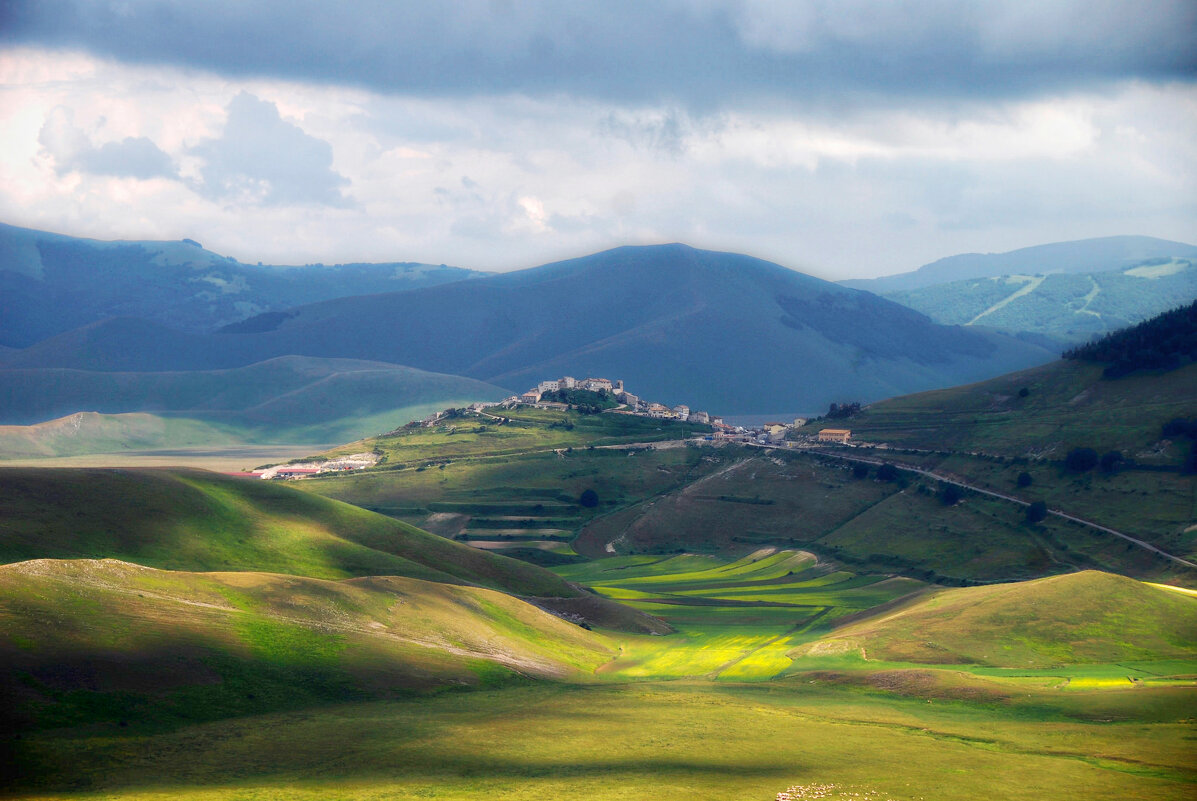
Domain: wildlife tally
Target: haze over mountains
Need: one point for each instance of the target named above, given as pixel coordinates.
(683, 325)
(50, 283)
(325, 353)
(1081, 256)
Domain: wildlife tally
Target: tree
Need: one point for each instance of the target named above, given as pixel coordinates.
(1036, 512)
(1081, 460)
(950, 496)
(887, 472)
(1022, 393)
(1111, 460)
(1024, 479)
(860, 470)
(589, 499)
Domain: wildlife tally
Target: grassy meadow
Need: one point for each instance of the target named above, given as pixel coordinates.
(748, 698)
(178, 634)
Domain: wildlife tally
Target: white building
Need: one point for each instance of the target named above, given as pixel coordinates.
(567, 382)
(682, 411)
(548, 386)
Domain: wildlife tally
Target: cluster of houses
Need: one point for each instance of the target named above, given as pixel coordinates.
(771, 433)
(356, 461)
(632, 404)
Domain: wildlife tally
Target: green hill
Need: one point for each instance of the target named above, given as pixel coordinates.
(292, 399)
(1067, 403)
(201, 521)
(769, 337)
(1076, 618)
(92, 433)
(105, 641)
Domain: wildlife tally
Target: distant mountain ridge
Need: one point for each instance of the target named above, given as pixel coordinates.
(1080, 256)
(51, 283)
(720, 330)
(1067, 307)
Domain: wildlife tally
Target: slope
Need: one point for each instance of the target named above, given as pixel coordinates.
(105, 641)
(1068, 307)
(195, 520)
(50, 283)
(1076, 618)
(714, 330)
(1067, 404)
(1081, 256)
(287, 399)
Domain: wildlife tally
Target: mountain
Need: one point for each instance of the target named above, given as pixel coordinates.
(291, 398)
(1081, 256)
(1068, 307)
(50, 283)
(717, 330)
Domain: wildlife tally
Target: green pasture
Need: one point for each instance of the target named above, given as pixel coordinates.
(908, 740)
(1067, 404)
(735, 618)
(502, 432)
(528, 492)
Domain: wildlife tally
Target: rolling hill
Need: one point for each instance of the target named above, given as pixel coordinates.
(50, 283)
(57, 412)
(717, 330)
(201, 521)
(1067, 307)
(1081, 256)
(1076, 618)
(106, 641)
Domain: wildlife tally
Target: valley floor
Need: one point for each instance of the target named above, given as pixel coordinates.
(672, 740)
(221, 460)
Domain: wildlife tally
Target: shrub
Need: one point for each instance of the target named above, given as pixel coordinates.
(950, 495)
(860, 470)
(1036, 512)
(1022, 393)
(1081, 460)
(887, 472)
(589, 499)
(1024, 479)
(1111, 460)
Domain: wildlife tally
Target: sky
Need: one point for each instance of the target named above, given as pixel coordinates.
(842, 138)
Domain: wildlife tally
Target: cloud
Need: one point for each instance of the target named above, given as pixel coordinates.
(512, 180)
(261, 159)
(700, 53)
(72, 150)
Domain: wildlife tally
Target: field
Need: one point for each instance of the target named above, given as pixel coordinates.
(502, 432)
(720, 623)
(522, 497)
(694, 714)
(1067, 405)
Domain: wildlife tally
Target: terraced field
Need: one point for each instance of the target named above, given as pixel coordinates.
(736, 619)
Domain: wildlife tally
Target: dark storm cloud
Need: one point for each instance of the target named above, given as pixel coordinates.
(261, 158)
(699, 52)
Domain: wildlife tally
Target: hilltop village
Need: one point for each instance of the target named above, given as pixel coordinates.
(599, 395)
(769, 433)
